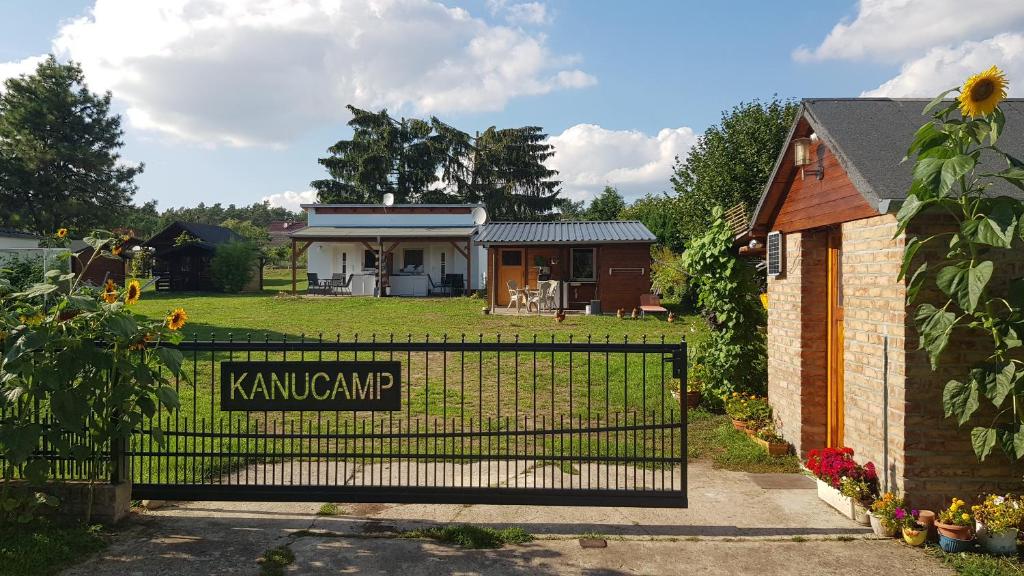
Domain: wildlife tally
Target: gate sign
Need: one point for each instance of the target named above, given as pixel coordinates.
(314, 386)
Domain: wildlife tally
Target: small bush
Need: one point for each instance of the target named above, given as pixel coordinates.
(22, 271)
(232, 266)
(469, 536)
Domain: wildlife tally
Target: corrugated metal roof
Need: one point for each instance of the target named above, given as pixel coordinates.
(572, 232)
(383, 232)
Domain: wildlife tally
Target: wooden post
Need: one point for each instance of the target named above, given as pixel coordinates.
(469, 265)
(293, 267)
(380, 268)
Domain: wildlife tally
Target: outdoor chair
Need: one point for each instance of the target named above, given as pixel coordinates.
(316, 285)
(456, 285)
(651, 303)
(437, 289)
(340, 284)
(515, 295)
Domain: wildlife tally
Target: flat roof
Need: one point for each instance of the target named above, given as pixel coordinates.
(341, 232)
(314, 205)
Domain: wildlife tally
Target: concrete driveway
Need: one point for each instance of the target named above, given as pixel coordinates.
(737, 523)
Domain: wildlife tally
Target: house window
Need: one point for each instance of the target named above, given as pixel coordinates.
(413, 258)
(511, 257)
(369, 259)
(583, 264)
(444, 264)
(344, 263)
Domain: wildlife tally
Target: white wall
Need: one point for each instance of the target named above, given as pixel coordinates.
(358, 220)
(15, 243)
(325, 259)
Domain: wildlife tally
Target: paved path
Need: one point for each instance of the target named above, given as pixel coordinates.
(736, 524)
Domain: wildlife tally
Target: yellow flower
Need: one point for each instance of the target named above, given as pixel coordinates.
(116, 250)
(62, 233)
(176, 319)
(965, 516)
(983, 92)
(32, 320)
(110, 292)
(131, 296)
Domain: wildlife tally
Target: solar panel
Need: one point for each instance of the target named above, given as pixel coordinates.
(774, 253)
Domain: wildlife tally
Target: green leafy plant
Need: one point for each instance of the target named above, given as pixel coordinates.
(233, 265)
(734, 354)
(80, 372)
(958, 172)
(22, 271)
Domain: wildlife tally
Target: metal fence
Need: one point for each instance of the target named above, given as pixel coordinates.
(521, 421)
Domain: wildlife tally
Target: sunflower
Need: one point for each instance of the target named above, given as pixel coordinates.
(110, 292)
(176, 319)
(116, 250)
(62, 233)
(983, 92)
(131, 296)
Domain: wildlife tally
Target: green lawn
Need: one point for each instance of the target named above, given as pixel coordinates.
(42, 547)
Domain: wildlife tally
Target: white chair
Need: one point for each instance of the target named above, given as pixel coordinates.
(550, 300)
(515, 295)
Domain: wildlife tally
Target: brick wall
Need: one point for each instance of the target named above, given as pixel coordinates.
(940, 462)
(796, 341)
(622, 289)
(874, 344)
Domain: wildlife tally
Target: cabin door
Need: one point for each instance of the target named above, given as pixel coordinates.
(510, 268)
(835, 337)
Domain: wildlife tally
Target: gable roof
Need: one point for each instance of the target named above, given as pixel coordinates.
(209, 235)
(869, 137)
(564, 232)
(283, 227)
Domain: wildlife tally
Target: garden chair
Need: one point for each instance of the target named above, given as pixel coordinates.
(651, 303)
(437, 289)
(534, 298)
(339, 283)
(515, 295)
(316, 285)
(456, 285)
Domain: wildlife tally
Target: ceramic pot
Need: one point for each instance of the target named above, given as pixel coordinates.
(954, 545)
(926, 518)
(861, 515)
(953, 531)
(915, 537)
(999, 543)
(881, 529)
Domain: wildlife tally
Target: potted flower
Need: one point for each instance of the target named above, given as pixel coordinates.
(768, 438)
(914, 532)
(694, 384)
(954, 526)
(830, 466)
(997, 520)
(736, 408)
(860, 494)
(887, 514)
(759, 413)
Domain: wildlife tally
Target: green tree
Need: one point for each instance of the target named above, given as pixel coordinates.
(257, 236)
(233, 266)
(59, 160)
(508, 174)
(660, 214)
(731, 162)
(607, 205)
(569, 209)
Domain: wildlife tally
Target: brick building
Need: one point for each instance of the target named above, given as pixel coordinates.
(843, 363)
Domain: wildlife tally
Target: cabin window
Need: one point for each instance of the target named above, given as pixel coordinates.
(413, 258)
(369, 259)
(583, 264)
(511, 257)
(444, 264)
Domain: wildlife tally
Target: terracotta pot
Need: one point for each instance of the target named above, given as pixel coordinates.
(953, 531)
(773, 448)
(739, 424)
(915, 537)
(692, 399)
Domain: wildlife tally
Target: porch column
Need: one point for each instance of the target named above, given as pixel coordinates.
(492, 277)
(469, 265)
(293, 267)
(380, 268)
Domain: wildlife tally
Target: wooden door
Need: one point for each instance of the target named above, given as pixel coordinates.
(510, 268)
(835, 338)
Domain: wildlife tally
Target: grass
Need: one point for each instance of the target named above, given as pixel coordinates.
(44, 548)
(712, 436)
(275, 560)
(329, 509)
(469, 536)
(976, 564)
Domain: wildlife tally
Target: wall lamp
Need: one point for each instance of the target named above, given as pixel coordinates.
(802, 155)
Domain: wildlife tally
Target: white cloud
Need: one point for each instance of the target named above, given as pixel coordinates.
(888, 29)
(589, 157)
(944, 67)
(291, 200)
(528, 13)
(23, 66)
(261, 72)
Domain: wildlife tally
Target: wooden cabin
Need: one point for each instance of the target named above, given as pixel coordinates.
(182, 253)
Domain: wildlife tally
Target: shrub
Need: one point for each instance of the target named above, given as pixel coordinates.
(232, 266)
(22, 271)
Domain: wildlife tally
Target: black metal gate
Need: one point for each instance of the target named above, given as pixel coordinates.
(501, 422)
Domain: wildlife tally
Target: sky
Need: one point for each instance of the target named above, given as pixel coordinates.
(233, 101)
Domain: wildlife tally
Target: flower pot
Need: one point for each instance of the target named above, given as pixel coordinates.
(953, 531)
(915, 537)
(999, 543)
(926, 518)
(692, 399)
(880, 528)
(739, 424)
(835, 499)
(953, 544)
(860, 514)
(773, 448)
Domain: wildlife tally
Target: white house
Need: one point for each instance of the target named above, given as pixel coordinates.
(407, 249)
